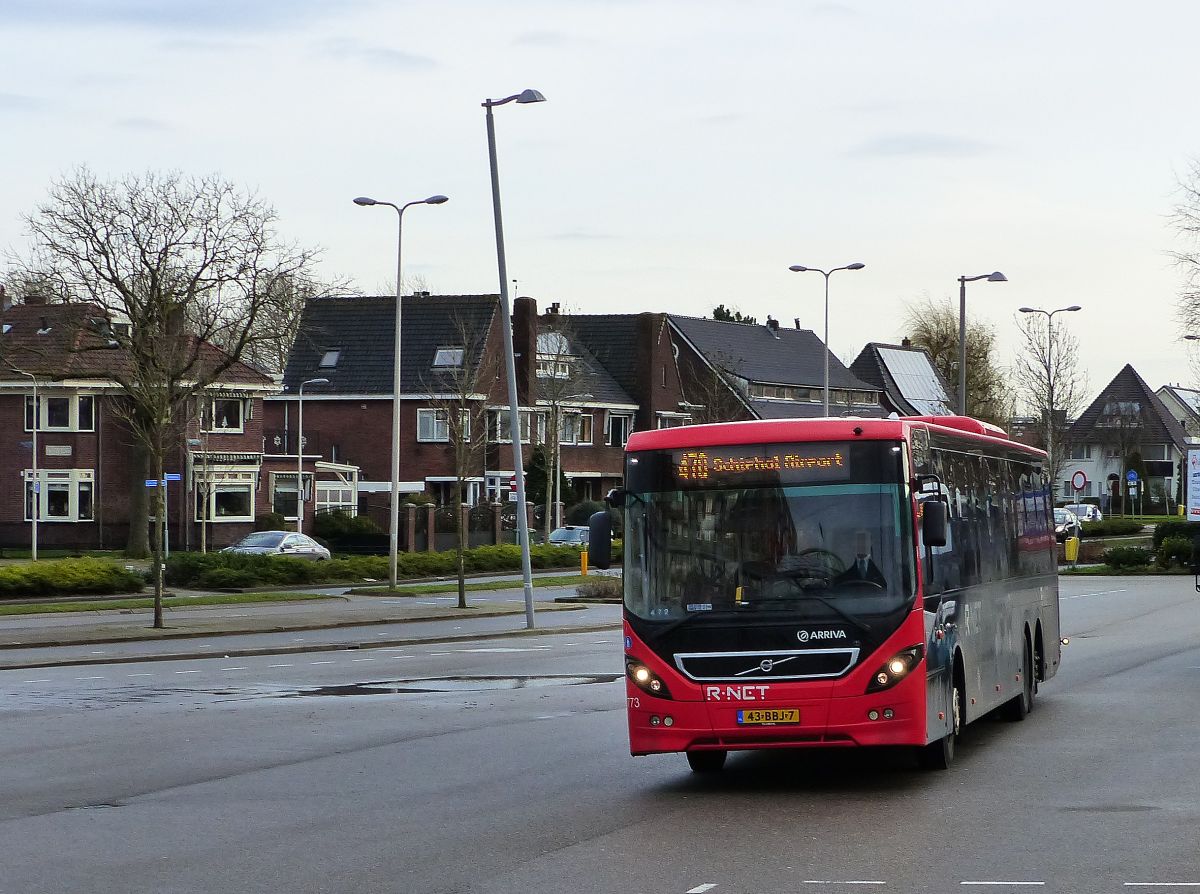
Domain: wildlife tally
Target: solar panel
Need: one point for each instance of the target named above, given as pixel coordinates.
(917, 381)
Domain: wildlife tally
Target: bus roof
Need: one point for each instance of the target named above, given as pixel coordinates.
(768, 431)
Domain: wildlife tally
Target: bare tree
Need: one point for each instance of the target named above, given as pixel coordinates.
(717, 393)
(194, 266)
(1050, 384)
(562, 377)
(1186, 218)
(933, 325)
(458, 399)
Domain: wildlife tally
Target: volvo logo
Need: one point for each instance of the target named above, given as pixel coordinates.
(811, 635)
(765, 665)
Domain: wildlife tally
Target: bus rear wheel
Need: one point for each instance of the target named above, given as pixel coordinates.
(939, 755)
(1018, 707)
(707, 761)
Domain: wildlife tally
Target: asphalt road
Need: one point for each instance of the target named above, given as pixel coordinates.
(502, 766)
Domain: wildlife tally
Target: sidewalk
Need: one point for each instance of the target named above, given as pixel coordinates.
(247, 629)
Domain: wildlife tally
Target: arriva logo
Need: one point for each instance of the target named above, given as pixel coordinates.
(813, 635)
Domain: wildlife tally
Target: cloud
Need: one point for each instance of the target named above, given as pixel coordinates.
(210, 15)
(144, 125)
(920, 145)
(350, 50)
(544, 39)
(580, 236)
(838, 10)
(16, 102)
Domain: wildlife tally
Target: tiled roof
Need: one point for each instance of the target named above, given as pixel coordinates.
(67, 341)
(756, 353)
(907, 376)
(591, 377)
(362, 330)
(613, 340)
(1129, 390)
(784, 409)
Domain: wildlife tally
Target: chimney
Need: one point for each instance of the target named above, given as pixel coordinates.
(35, 298)
(524, 323)
(553, 309)
(773, 326)
(796, 320)
(906, 342)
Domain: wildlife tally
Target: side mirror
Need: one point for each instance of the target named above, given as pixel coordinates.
(616, 497)
(600, 539)
(933, 523)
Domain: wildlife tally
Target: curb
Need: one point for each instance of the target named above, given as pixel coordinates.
(312, 647)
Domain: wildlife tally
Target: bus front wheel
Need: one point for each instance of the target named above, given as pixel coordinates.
(707, 761)
(939, 755)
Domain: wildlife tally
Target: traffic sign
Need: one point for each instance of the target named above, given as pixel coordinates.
(172, 476)
(1079, 480)
(1131, 476)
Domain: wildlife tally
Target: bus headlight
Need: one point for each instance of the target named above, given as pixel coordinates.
(645, 679)
(896, 669)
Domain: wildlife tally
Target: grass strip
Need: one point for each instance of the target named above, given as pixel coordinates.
(137, 602)
(475, 586)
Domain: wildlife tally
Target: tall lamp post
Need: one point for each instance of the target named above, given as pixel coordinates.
(510, 363)
(300, 452)
(1050, 380)
(962, 332)
(796, 268)
(394, 504)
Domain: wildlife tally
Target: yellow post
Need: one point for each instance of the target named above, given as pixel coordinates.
(1071, 549)
(583, 561)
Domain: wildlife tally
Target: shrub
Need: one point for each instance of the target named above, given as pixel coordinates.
(338, 523)
(1127, 557)
(68, 576)
(581, 512)
(1175, 551)
(601, 588)
(1164, 530)
(1115, 527)
(269, 521)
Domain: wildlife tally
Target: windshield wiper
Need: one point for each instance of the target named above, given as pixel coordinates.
(837, 610)
(687, 619)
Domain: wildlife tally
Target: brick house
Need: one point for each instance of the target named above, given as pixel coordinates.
(349, 341)
(86, 467)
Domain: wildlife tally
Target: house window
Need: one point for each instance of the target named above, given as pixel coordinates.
(336, 496)
(616, 429)
(329, 359)
(433, 426)
(553, 369)
(1081, 451)
(576, 428)
(64, 495)
(1155, 451)
(283, 493)
(226, 414)
(59, 413)
(673, 420)
(448, 357)
(229, 496)
(499, 430)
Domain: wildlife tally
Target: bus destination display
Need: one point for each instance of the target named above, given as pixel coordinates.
(768, 464)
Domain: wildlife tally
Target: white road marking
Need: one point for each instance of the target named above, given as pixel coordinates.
(439, 653)
(187, 672)
(233, 668)
(101, 652)
(1162, 884)
(89, 678)
(320, 662)
(601, 642)
(401, 657)
(298, 639)
(700, 889)
(35, 681)
(1007, 884)
(828, 882)
(392, 648)
(1099, 593)
(502, 649)
(426, 603)
(281, 665)
(352, 660)
(139, 675)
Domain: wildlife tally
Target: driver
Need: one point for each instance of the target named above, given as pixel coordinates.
(863, 568)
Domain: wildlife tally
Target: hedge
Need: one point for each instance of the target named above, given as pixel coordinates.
(1174, 551)
(224, 570)
(1166, 529)
(67, 577)
(1127, 557)
(1112, 527)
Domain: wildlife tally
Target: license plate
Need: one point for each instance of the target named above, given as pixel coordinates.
(768, 716)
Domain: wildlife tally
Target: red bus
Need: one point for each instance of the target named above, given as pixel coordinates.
(831, 582)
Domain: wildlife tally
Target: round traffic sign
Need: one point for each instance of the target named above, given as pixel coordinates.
(1131, 475)
(1079, 480)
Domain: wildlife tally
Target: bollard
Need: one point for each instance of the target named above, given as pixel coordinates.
(583, 562)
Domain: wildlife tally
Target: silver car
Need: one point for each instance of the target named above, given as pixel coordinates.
(1085, 512)
(280, 543)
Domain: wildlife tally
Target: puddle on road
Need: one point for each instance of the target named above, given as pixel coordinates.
(446, 684)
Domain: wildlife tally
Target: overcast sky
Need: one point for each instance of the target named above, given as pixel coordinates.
(689, 151)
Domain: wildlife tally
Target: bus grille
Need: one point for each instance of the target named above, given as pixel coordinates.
(809, 664)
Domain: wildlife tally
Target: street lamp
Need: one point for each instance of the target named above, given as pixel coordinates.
(962, 332)
(1050, 380)
(394, 506)
(35, 484)
(510, 363)
(300, 453)
(796, 268)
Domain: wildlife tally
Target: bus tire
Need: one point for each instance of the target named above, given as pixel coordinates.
(1018, 707)
(707, 761)
(939, 755)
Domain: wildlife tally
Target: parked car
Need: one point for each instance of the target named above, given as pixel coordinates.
(570, 535)
(280, 543)
(1066, 524)
(1085, 512)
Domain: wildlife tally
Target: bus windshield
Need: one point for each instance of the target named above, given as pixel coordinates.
(748, 534)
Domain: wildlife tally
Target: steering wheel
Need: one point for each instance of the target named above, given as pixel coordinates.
(837, 565)
(861, 582)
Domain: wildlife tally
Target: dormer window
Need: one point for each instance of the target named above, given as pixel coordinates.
(444, 357)
(329, 359)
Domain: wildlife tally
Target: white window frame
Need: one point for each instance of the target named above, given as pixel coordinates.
(336, 496)
(72, 412)
(223, 482)
(435, 423)
(627, 428)
(576, 439)
(243, 415)
(498, 419)
(75, 480)
(448, 357)
(288, 479)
